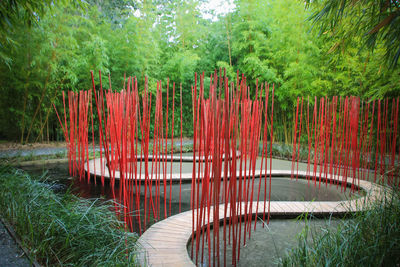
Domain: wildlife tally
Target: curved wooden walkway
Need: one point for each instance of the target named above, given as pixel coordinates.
(165, 243)
(95, 170)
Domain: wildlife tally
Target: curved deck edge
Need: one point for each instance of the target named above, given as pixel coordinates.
(165, 243)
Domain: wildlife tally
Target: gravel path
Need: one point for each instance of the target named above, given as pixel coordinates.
(31, 152)
(15, 150)
(10, 253)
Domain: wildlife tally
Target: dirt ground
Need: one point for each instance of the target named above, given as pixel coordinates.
(10, 253)
(18, 146)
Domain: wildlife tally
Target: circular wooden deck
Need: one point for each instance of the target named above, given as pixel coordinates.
(95, 170)
(165, 243)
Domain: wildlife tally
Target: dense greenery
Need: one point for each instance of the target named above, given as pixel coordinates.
(62, 229)
(374, 22)
(271, 41)
(370, 238)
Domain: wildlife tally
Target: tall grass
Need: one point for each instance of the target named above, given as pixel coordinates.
(368, 238)
(62, 229)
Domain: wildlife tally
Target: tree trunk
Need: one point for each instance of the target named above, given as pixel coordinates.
(228, 38)
(43, 93)
(26, 90)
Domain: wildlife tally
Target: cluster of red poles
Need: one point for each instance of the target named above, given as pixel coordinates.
(227, 128)
(124, 123)
(233, 127)
(347, 137)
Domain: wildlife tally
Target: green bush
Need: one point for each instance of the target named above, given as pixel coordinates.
(369, 238)
(62, 229)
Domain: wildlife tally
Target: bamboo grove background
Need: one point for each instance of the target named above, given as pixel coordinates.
(267, 40)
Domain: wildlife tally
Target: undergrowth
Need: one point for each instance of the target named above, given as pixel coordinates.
(62, 229)
(368, 238)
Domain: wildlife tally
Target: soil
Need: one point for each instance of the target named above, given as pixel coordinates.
(12, 150)
(16, 150)
(4, 146)
(10, 253)
(30, 146)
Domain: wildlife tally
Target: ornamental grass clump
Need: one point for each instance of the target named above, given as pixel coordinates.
(63, 229)
(368, 238)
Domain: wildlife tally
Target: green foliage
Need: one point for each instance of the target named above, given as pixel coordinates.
(271, 41)
(372, 22)
(13, 13)
(249, 41)
(370, 238)
(63, 229)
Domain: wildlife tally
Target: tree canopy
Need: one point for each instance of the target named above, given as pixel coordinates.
(272, 41)
(375, 23)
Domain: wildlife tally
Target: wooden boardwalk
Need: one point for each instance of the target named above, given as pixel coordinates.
(95, 169)
(165, 243)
